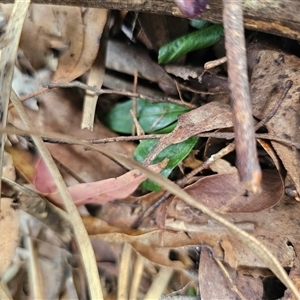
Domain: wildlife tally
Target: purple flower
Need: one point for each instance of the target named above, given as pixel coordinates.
(191, 8)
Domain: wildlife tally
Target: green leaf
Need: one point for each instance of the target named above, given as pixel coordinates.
(175, 153)
(152, 117)
(196, 40)
(167, 129)
(200, 24)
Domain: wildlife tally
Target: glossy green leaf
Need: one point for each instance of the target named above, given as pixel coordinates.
(199, 39)
(167, 129)
(151, 116)
(175, 153)
(200, 24)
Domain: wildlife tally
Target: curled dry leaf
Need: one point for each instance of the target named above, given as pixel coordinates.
(9, 233)
(73, 32)
(155, 245)
(99, 192)
(92, 24)
(269, 75)
(205, 118)
(224, 193)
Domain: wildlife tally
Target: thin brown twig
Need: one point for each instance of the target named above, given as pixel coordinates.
(97, 91)
(32, 95)
(246, 152)
(61, 166)
(219, 135)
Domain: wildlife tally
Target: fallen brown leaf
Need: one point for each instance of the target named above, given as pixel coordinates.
(224, 193)
(269, 75)
(130, 59)
(215, 284)
(205, 118)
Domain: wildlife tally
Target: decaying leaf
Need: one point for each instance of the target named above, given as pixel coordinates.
(269, 75)
(218, 283)
(92, 25)
(264, 228)
(130, 59)
(98, 192)
(224, 193)
(73, 32)
(152, 244)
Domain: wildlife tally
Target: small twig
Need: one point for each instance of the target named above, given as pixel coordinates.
(61, 166)
(215, 63)
(246, 152)
(218, 135)
(31, 95)
(97, 91)
(190, 89)
(265, 136)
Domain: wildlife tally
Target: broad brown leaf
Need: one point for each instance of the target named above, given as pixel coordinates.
(224, 193)
(130, 59)
(91, 24)
(214, 284)
(269, 75)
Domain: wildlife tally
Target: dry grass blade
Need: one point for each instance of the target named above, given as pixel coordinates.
(257, 247)
(96, 76)
(4, 292)
(35, 276)
(81, 235)
(137, 276)
(227, 275)
(7, 61)
(160, 283)
(124, 271)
